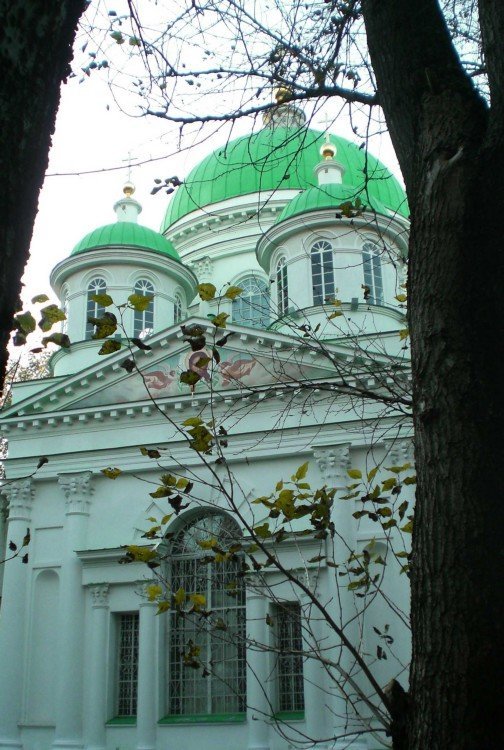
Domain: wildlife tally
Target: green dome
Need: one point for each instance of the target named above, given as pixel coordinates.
(126, 234)
(279, 158)
(329, 196)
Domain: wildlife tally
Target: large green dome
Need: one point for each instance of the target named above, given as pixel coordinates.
(279, 158)
(126, 234)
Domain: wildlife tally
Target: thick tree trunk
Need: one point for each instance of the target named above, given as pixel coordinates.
(452, 154)
(35, 50)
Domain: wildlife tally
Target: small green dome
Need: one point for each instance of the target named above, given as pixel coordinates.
(329, 196)
(126, 234)
(279, 158)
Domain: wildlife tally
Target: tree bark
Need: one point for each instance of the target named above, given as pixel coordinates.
(451, 150)
(35, 50)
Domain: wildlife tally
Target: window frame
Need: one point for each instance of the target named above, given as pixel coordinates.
(290, 699)
(282, 284)
(141, 319)
(97, 285)
(120, 617)
(322, 270)
(372, 271)
(256, 301)
(190, 697)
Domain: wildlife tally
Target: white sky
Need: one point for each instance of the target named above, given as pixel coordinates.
(89, 136)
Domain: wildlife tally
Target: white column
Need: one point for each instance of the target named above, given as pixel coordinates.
(69, 694)
(147, 691)
(95, 725)
(334, 462)
(318, 699)
(12, 621)
(259, 707)
(203, 269)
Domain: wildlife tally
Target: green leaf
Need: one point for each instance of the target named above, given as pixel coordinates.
(111, 473)
(408, 527)
(398, 469)
(262, 531)
(150, 452)
(192, 422)
(206, 291)
(104, 326)
(25, 322)
(104, 300)
(388, 484)
(371, 474)
(189, 377)
(110, 346)
(179, 597)
(39, 298)
(50, 315)
(60, 339)
(117, 37)
(134, 41)
(401, 297)
(354, 473)
(140, 302)
(219, 321)
(409, 480)
(233, 292)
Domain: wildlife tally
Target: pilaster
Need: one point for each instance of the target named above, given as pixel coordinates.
(259, 708)
(147, 688)
(95, 728)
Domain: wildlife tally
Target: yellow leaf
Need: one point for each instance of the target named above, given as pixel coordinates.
(154, 591)
(179, 597)
(111, 473)
(163, 607)
(206, 291)
(408, 527)
(110, 346)
(401, 297)
(104, 300)
(166, 518)
(403, 333)
(354, 473)
(278, 487)
(140, 302)
(219, 321)
(198, 601)
(233, 292)
(302, 471)
(192, 422)
(141, 554)
(207, 543)
(388, 484)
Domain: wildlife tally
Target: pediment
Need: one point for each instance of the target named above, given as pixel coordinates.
(249, 360)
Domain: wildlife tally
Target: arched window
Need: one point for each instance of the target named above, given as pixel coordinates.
(322, 272)
(282, 287)
(94, 310)
(218, 685)
(371, 263)
(251, 308)
(143, 322)
(177, 309)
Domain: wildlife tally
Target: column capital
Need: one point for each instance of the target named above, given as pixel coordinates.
(400, 451)
(99, 594)
(333, 462)
(203, 268)
(78, 490)
(19, 494)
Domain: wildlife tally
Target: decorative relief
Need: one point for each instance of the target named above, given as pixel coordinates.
(401, 451)
(203, 269)
(19, 494)
(99, 594)
(78, 490)
(333, 463)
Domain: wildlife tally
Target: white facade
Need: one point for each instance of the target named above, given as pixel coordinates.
(86, 661)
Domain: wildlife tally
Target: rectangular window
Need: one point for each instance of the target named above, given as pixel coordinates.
(127, 663)
(289, 642)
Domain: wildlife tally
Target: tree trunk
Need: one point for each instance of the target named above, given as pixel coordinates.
(35, 50)
(451, 150)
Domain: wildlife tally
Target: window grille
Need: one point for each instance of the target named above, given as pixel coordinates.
(222, 652)
(371, 262)
(127, 678)
(282, 287)
(143, 323)
(177, 309)
(289, 643)
(322, 272)
(94, 310)
(251, 308)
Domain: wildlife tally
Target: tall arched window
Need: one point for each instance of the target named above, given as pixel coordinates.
(282, 287)
(371, 263)
(94, 310)
(143, 322)
(251, 308)
(322, 272)
(177, 309)
(218, 685)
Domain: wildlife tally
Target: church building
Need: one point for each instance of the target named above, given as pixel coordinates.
(282, 644)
